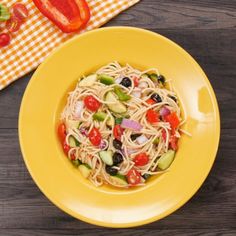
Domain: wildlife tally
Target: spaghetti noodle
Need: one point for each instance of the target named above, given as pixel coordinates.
(121, 125)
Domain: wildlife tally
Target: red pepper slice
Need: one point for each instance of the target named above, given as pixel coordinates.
(173, 120)
(68, 15)
(152, 116)
(84, 11)
(150, 101)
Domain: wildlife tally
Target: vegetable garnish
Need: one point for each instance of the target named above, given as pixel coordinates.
(68, 15)
(4, 13)
(121, 95)
(13, 24)
(20, 11)
(91, 103)
(95, 137)
(5, 39)
(164, 111)
(14, 17)
(118, 131)
(131, 124)
(141, 159)
(152, 116)
(133, 177)
(173, 120)
(120, 127)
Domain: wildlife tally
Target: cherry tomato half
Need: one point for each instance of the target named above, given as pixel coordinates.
(5, 39)
(95, 136)
(152, 116)
(66, 148)
(91, 103)
(174, 143)
(173, 120)
(13, 24)
(133, 177)
(72, 157)
(141, 159)
(117, 132)
(61, 131)
(20, 11)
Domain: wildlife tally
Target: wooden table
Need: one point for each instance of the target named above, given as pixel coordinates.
(206, 29)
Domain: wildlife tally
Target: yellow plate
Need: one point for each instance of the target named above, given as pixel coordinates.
(46, 95)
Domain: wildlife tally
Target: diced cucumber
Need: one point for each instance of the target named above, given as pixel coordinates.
(88, 81)
(88, 166)
(106, 79)
(76, 162)
(117, 107)
(166, 159)
(100, 116)
(120, 179)
(85, 170)
(118, 120)
(73, 142)
(111, 121)
(72, 124)
(106, 157)
(121, 95)
(153, 77)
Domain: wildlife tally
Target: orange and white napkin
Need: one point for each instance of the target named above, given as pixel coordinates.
(38, 37)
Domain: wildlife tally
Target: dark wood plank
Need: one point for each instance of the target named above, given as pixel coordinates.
(10, 100)
(171, 14)
(206, 29)
(117, 232)
(23, 206)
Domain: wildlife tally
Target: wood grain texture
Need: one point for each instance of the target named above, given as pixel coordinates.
(207, 30)
(118, 232)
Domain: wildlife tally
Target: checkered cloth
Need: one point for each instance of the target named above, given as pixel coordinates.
(38, 37)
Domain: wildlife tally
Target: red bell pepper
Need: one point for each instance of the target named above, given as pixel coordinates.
(84, 11)
(173, 120)
(152, 116)
(68, 15)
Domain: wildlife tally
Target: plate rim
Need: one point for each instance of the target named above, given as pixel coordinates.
(185, 199)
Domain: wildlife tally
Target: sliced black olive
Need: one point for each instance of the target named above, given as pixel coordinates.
(117, 144)
(161, 79)
(134, 136)
(126, 82)
(110, 170)
(173, 98)
(156, 97)
(117, 158)
(146, 176)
